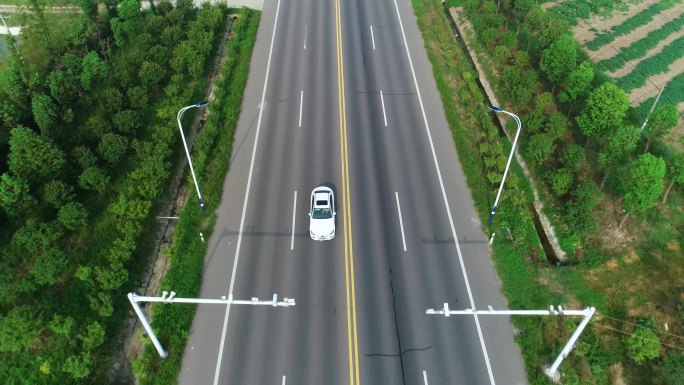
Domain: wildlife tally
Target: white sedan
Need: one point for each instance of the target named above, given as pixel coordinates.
(322, 213)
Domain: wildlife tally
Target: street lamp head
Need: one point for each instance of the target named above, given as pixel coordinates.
(202, 104)
(494, 108)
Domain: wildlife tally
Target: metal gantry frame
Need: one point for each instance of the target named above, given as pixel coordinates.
(550, 371)
(168, 298)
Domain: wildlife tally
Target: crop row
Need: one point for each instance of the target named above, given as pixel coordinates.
(672, 94)
(640, 47)
(652, 66)
(642, 18)
(570, 11)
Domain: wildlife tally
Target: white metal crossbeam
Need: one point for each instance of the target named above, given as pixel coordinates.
(550, 371)
(168, 298)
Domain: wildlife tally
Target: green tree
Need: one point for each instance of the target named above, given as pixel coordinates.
(533, 121)
(151, 74)
(577, 85)
(112, 147)
(19, 329)
(137, 97)
(560, 181)
(78, 366)
(36, 237)
(559, 59)
(518, 85)
(540, 147)
(551, 30)
(620, 144)
(643, 345)
(102, 304)
(93, 336)
(672, 368)
(573, 156)
(557, 125)
(127, 121)
(112, 100)
(61, 325)
(73, 216)
(15, 197)
(46, 115)
(606, 108)
(578, 209)
(660, 123)
(33, 157)
(65, 85)
(97, 125)
(84, 157)
(94, 71)
(48, 266)
(9, 118)
(544, 103)
(675, 172)
(57, 193)
(644, 186)
(111, 277)
(94, 178)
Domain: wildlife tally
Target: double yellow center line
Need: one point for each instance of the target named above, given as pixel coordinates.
(352, 336)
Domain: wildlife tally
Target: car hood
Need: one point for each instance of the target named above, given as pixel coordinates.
(322, 227)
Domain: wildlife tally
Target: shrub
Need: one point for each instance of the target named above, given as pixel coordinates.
(643, 345)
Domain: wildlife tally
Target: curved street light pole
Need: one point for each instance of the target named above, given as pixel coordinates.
(510, 157)
(187, 152)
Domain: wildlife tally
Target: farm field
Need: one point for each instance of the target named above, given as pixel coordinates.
(640, 45)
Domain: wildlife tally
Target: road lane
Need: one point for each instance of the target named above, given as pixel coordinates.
(397, 339)
(305, 343)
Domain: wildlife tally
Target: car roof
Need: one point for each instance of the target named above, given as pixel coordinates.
(321, 196)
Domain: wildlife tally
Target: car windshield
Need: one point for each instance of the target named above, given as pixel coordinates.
(321, 213)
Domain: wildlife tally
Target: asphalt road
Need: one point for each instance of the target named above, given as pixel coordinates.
(334, 98)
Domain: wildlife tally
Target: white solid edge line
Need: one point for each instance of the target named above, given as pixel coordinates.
(446, 201)
(425, 377)
(401, 222)
(244, 206)
(283, 380)
(372, 37)
(384, 115)
(301, 105)
(294, 211)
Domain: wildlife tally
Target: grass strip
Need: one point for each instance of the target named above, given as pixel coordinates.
(652, 66)
(640, 47)
(213, 143)
(642, 18)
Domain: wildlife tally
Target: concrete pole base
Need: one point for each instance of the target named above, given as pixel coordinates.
(553, 376)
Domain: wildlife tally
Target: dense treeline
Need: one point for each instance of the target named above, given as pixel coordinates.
(87, 130)
(587, 147)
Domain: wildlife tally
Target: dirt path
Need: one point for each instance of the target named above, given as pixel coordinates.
(649, 89)
(613, 49)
